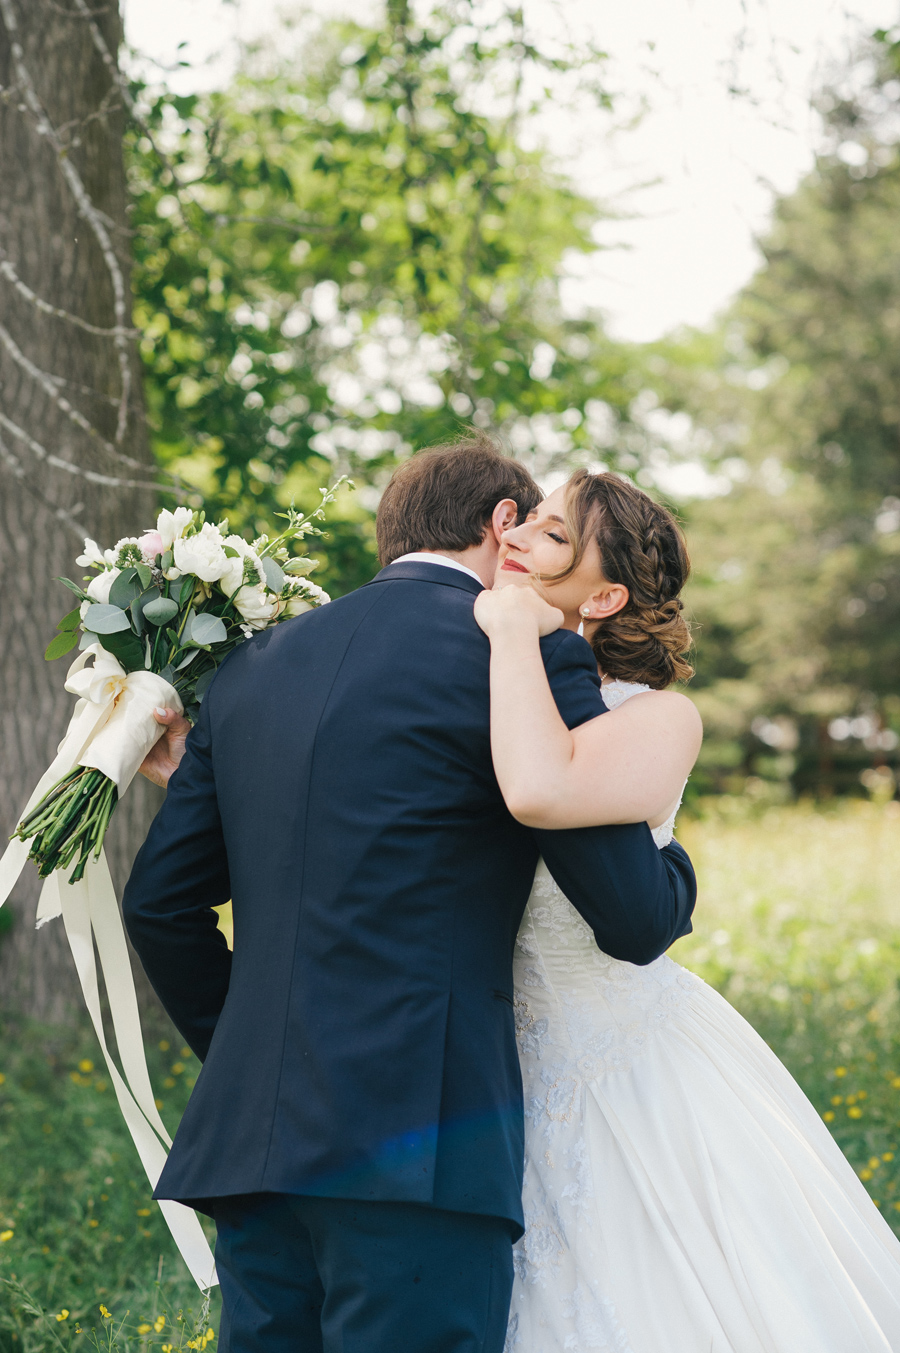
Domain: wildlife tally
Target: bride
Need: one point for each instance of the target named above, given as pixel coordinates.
(681, 1193)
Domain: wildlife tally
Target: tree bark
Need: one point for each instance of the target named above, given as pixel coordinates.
(64, 238)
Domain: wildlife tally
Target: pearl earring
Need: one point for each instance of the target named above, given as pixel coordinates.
(585, 612)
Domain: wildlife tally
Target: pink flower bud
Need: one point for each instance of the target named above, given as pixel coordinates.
(151, 545)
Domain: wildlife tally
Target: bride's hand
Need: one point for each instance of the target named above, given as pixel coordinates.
(164, 757)
(516, 609)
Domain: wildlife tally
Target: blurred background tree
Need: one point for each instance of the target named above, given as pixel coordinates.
(794, 404)
(348, 255)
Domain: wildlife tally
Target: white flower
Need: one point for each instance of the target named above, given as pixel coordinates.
(128, 552)
(318, 594)
(257, 606)
(202, 554)
(171, 525)
(234, 575)
(98, 588)
(296, 606)
(93, 555)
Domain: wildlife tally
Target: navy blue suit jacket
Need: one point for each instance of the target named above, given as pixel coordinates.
(338, 787)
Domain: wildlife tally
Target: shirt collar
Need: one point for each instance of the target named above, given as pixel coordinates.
(426, 557)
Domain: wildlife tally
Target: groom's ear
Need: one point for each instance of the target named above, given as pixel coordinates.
(504, 515)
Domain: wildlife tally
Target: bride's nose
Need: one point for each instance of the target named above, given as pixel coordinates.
(513, 537)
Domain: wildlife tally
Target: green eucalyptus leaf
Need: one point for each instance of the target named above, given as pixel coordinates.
(109, 619)
(126, 647)
(168, 673)
(73, 587)
(187, 587)
(274, 575)
(61, 644)
(202, 685)
(207, 629)
(125, 589)
(167, 561)
(160, 611)
(188, 659)
(71, 621)
(145, 574)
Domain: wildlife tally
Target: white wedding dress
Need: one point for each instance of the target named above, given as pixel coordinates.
(681, 1193)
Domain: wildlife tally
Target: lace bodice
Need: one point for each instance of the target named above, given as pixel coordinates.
(616, 693)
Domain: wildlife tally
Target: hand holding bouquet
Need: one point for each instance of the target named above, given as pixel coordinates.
(158, 617)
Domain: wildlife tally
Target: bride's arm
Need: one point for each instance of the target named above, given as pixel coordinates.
(628, 765)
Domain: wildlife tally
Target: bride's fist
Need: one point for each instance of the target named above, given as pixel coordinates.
(516, 609)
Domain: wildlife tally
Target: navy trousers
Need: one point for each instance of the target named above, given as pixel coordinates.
(331, 1275)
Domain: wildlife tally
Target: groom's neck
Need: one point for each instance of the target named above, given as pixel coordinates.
(481, 559)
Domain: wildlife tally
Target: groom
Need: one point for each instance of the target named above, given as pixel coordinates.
(356, 1129)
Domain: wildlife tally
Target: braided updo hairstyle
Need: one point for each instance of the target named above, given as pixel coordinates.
(642, 548)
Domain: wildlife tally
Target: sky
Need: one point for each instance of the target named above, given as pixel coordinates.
(690, 187)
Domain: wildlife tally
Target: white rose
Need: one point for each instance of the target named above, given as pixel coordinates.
(296, 606)
(202, 554)
(93, 554)
(98, 588)
(233, 577)
(257, 606)
(171, 525)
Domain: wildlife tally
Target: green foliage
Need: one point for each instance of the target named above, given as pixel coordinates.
(336, 265)
(84, 1230)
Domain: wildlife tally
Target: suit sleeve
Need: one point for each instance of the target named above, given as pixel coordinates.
(636, 898)
(180, 874)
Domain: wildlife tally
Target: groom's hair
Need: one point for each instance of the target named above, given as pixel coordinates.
(443, 498)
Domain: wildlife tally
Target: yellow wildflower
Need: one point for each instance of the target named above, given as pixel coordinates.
(828, 1115)
(144, 1329)
(874, 1163)
(85, 1065)
(865, 1175)
(837, 1099)
(63, 1315)
(895, 1083)
(104, 1312)
(159, 1323)
(210, 1335)
(93, 1222)
(143, 1212)
(5, 1236)
(167, 1348)
(840, 1071)
(164, 1045)
(888, 1155)
(855, 1112)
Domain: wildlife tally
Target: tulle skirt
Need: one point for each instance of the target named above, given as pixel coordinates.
(705, 1208)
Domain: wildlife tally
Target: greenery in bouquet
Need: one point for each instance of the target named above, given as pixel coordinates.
(174, 601)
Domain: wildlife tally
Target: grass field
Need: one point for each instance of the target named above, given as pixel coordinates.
(798, 924)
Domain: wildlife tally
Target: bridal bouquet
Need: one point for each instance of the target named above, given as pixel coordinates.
(159, 615)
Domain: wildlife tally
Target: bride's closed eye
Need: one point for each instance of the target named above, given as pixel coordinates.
(560, 540)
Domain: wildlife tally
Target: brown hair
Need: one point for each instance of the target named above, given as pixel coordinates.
(442, 498)
(641, 547)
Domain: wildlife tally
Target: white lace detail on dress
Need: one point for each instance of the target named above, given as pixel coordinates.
(580, 1016)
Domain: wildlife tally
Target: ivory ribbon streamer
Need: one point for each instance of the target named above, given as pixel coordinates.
(112, 729)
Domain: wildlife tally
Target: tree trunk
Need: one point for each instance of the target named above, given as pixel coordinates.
(69, 397)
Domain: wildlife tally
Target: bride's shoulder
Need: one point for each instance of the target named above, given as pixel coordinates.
(639, 703)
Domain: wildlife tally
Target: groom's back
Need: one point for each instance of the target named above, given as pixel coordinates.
(377, 884)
